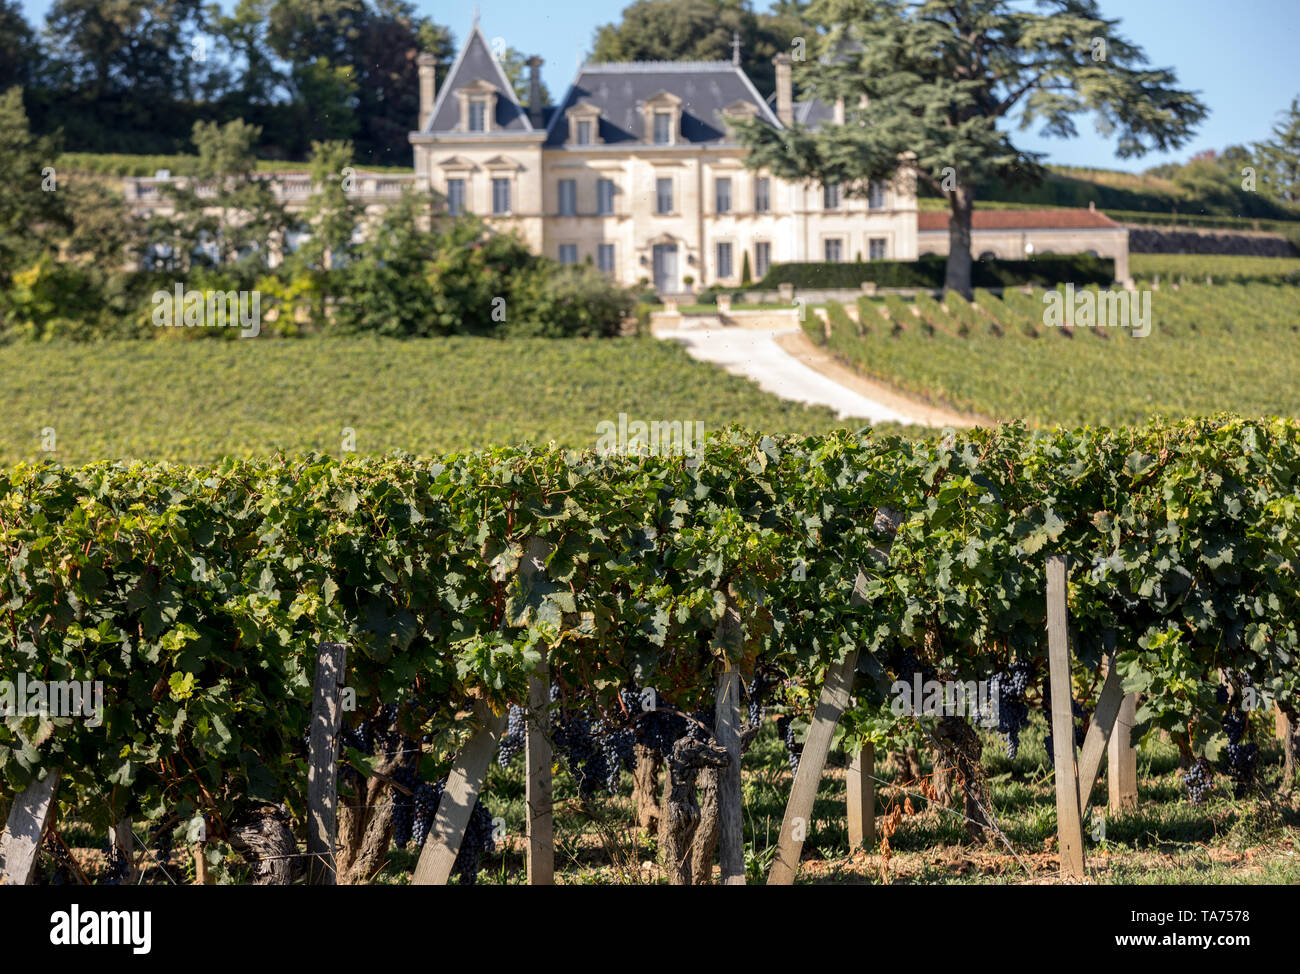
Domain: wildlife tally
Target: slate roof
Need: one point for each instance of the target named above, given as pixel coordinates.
(618, 88)
(475, 62)
(1021, 220)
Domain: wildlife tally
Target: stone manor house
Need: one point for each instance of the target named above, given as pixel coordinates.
(638, 170)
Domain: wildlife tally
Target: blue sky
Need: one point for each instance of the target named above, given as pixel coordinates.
(1241, 56)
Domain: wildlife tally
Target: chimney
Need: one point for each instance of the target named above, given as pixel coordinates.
(428, 87)
(784, 92)
(535, 91)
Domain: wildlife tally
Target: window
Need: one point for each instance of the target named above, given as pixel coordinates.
(834, 250)
(584, 133)
(500, 196)
(876, 248)
(762, 258)
(875, 195)
(568, 253)
(605, 258)
(455, 197)
(568, 197)
(605, 197)
(663, 128)
(762, 195)
(724, 260)
(831, 196)
(722, 194)
(664, 195)
(478, 115)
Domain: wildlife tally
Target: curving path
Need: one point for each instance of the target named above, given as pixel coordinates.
(783, 362)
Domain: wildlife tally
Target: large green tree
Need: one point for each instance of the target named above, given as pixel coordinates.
(227, 216)
(1279, 157)
(702, 30)
(352, 71)
(125, 75)
(19, 53)
(929, 87)
(33, 216)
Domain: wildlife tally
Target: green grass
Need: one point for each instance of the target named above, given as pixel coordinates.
(1221, 269)
(198, 399)
(1163, 840)
(1232, 347)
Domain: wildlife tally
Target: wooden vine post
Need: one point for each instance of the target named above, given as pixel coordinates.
(1122, 761)
(862, 799)
(831, 704)
(322, 769)
(1069, 816)
(731, 839)
(457, 804)
(20, 845)
(537, 743)
(537, 795)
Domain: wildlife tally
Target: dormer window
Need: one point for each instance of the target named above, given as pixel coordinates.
(663, 128)
(662, 115)
(584, 124)
(478, 106)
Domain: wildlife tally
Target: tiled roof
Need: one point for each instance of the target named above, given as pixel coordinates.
(1021, 220)
(477, 63)
(619, 88)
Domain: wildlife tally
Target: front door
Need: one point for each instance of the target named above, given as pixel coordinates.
(665, 267)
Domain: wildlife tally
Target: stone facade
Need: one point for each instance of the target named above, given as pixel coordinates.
(637, 170)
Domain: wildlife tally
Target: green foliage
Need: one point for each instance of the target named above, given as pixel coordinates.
(31, 214)
(701, 30)
(554, 301)
(1210, 348)
(935, 79)
(928, 272)
(198, 595)
(225, 214)
(1219, 268)
(1279, 157)
(197, 400)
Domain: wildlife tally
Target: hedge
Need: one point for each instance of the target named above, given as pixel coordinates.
(928, 272)
(198, 595)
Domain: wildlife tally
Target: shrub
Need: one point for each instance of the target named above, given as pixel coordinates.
(928, 272)
(553, 301)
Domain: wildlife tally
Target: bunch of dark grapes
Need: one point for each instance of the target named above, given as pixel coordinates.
(404, 805)
(425, 803)
(659, 730)
(793, 751)
(63, 872)
(1079, 715)
(756, 691)
(424, 809)
(512, 742)
(1199, 779)
(161, 841)
(478, 840)
(1240, 759)
(1009, 688)
(118, 866)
